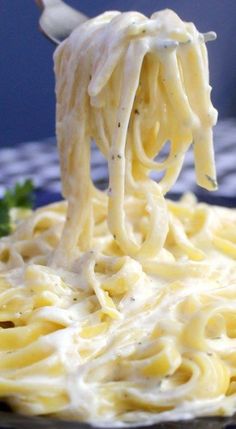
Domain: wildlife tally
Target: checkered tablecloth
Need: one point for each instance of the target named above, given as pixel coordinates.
(38, 160)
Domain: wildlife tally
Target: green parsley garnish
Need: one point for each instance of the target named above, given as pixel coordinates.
(5, 227)
(21, 196)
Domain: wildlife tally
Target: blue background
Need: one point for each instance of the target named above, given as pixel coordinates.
(26, 69)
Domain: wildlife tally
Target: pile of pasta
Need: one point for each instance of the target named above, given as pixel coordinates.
(111, 338)
(119, 306)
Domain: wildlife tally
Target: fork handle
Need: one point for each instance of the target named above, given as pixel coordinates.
(42, 4)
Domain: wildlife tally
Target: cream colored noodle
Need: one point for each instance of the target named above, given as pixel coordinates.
(119, 307)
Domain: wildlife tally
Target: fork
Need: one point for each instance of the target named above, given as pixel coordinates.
(58, 19)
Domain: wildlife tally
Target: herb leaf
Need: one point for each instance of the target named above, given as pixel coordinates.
(21, 196)
(5, 227)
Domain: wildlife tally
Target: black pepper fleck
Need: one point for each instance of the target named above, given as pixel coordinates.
(112, 157)
(119, 156)
(212, 181)
(7, 324)
(136, 112)
(118, 124)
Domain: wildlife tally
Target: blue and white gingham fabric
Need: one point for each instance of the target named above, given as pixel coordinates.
(38, 160)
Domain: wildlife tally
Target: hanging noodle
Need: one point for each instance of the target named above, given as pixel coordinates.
(119, 306)
(140, 82)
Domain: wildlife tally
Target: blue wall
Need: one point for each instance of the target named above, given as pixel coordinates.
(26, 69)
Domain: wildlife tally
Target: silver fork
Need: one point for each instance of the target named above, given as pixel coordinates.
(58, 19)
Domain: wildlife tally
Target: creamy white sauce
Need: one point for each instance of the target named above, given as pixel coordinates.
(122, 304)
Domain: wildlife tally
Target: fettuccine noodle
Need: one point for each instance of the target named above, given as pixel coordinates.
(119, 306)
